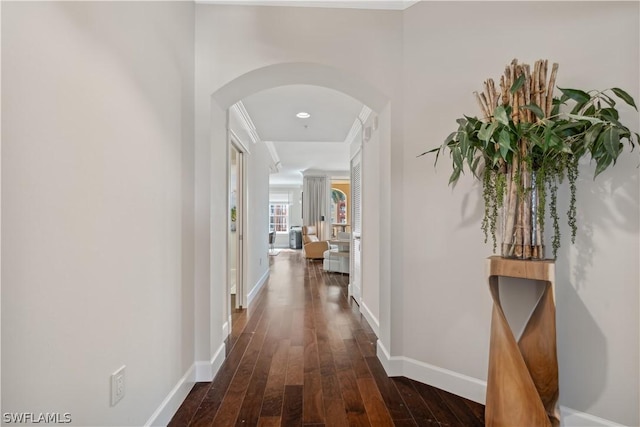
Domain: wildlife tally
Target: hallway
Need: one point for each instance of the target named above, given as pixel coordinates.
(303, 355)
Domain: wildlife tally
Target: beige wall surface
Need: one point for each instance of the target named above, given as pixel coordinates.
(597, 278)
(97, 206)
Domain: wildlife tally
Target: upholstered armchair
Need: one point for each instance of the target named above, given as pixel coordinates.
(312, 246)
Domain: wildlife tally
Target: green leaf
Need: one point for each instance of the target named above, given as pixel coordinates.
(610, 114)
(454, 176)
(592, 134)
(611, 141)
(551, 139)
(457, 158)
(450, 138)
(536, 139)
(474, 166)
(464, 143)
(608, 100)
(535, 109)
(569, 128)
(517, 84)
(473, 122)
(576, 94)
(602, 164)
(624, 96)
(504, 141)
(578, 107)
(556, 103)
(433, 150)
(486, 131)
(587, 118)
(501, 116)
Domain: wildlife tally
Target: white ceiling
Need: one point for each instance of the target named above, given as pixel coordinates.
(320, 142)
(273, 112)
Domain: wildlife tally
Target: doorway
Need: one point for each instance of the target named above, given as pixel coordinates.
(235, 237)
(213, 186)
(355, 279)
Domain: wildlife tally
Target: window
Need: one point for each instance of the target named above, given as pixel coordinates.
(338, 206)
(279, 217)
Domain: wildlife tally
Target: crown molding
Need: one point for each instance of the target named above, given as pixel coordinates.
(243, 117)
(338, 4)
(277, 166)
(358, 123)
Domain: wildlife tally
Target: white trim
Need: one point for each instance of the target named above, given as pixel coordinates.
(469, 387)
(357, 124)
(217, 360)
(174, 399)
(371, 319)
(225, 328)
(572, 418)
(243, 117)
(207, 370)
(453, 382)
(274, 156)
(391, 365)
(238, 142)
(346, 4)
(203, 371)
(257, 288)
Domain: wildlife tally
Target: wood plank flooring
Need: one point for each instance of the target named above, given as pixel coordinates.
(302, 355)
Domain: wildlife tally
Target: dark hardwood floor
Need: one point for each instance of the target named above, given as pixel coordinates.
(303, 355)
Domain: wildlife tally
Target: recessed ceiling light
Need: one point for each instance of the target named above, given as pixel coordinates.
(303, 115)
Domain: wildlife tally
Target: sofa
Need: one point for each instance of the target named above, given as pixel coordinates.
(312, 246)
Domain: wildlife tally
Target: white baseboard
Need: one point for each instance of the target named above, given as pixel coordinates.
(469, 387)
(391, 365)
(225, 328)
(371, 319)
(207, 370)
(572, 418)
(198, 372)
(453, 382)
(257, 287)
(174, 399)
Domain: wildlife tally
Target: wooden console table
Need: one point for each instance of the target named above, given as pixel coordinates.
(522, 385)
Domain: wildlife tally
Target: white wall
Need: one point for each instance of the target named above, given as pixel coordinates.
(97, 212)
(257, 235)
(596, 45)
(295, 207)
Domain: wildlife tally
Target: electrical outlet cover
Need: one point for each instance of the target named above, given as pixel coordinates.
(117, 385)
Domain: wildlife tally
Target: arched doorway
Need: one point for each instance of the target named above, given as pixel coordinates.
(211, 187)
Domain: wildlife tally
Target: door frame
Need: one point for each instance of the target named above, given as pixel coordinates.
(235, 143)
(355, 292)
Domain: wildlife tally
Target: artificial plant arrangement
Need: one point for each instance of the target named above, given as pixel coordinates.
(527, 143)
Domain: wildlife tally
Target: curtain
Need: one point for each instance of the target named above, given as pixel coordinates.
(315, 202)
